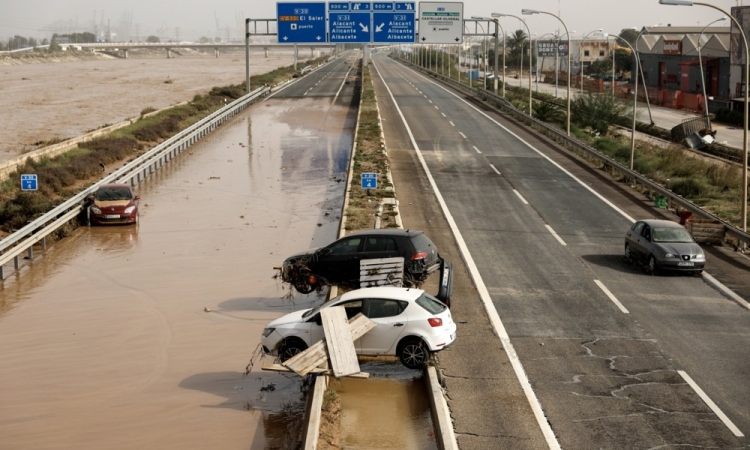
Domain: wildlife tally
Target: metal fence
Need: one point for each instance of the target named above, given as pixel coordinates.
(571, 143)
(36, 232)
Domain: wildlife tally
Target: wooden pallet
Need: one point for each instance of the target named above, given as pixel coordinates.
(706, 231)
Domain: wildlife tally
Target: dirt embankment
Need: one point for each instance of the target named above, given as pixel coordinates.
(56, 98)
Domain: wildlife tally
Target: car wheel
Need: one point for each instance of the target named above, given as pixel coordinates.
(304, 286)
(652, 269)
(413, 353)
(628, 254)
(290, 348)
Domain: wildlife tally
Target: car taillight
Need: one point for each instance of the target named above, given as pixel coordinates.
(419, 255)
(435, 322)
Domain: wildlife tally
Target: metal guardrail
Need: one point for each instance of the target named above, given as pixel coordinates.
(23, 240)
(572, 143)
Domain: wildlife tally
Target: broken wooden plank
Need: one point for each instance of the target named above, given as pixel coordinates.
(381, 272)
(319, 370)
(341, 352)
(305, 362)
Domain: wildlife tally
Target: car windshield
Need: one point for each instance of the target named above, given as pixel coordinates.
(315, 310)
(672, 235)
(431, 304)
(113, 194)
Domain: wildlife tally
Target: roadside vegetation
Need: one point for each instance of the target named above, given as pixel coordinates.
(369, 157)
(65, 175)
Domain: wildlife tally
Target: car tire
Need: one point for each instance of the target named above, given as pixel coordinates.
(628, 253)
(652, 268)
(413, 353)
(290, 348)
(304, 286)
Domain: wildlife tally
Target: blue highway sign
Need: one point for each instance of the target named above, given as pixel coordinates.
(28, 182)
(369, 181)
(338, 6)
(301, 23)
(382, 6)
(394, 27)
(349, 27)
(405, 6)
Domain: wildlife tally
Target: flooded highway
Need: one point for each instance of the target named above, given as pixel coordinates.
(137, 337)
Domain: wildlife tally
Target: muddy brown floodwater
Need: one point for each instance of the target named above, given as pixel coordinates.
(138, 336)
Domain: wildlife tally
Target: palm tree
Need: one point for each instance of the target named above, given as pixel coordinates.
(516, 43)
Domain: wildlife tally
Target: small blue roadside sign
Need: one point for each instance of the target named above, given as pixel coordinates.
(350, 27)
(394, 27)
(369, 181)
(301, 23)
(28, 182)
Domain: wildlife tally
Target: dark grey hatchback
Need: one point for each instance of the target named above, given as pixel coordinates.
(664, 245)
(339, 262)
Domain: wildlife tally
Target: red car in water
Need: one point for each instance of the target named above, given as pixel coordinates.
(114, 204)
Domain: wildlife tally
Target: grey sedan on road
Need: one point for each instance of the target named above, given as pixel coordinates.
(664, 245)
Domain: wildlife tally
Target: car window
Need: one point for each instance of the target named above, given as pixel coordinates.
(377, 307)
(114, 194)
(352, 307)
(380, 244)
(349, 245)
(646, 232)
(431, 304)
(672, 235)
(638, 227)
(422, 243)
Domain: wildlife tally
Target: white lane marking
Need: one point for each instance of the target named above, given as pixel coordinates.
(484, 294)
(475, 148)
(443, 114)
(307, 91)
(587, 187)
(463, 135)
(343, 82)
(557, 236)
(611, 296)
(436, 107)
(452, 124)
(429, 100)
(728, 292)
(521, 197)
(493, 167)
(706, 399)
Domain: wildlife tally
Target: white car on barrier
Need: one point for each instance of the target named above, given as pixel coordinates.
(409, 323)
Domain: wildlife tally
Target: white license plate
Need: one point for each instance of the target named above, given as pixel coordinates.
(686, 263)
(112, 216)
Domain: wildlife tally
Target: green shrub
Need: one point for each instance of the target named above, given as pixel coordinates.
(689, 187)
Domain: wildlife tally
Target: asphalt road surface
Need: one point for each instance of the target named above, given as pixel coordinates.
(616, 358)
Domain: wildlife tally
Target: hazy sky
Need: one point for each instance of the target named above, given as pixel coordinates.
(191, 19)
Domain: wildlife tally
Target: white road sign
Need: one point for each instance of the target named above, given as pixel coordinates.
(441, 23)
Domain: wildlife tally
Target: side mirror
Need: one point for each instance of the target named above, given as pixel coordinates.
(137, 197)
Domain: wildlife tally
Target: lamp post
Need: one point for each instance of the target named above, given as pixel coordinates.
(635, 101)
(497, 37)
(528, 32)
(580, 53)
(534, 11)
(747, 83)
(700, 63)
(643, 78)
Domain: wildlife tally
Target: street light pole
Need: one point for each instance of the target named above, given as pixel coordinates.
(497, 45)
(747, 84)
(528, 32)
(580, 53)
(534, 11)
(635, 102)
(700, 63)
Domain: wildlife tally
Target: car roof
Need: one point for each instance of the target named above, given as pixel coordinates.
(661, 223)
(390, 292)
(114, 186)
(386, 232)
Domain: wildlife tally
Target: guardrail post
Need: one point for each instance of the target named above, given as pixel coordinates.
(15, 262)
(30, 252)
(44, 243)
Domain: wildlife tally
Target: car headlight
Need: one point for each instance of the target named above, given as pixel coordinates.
(129, 209)
(670, 255)
(700, 257)
(96, 210)
(268, 331)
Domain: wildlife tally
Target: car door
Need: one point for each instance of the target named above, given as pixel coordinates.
(644, 242)
(390, 323)
(632, 238)
(339, 262)
(352, 307)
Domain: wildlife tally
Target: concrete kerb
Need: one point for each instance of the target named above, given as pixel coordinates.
(444, 433)
(8, 167)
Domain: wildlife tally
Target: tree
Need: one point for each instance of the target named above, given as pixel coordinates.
(629, 35)
(153, 39)
(204, 40)
(598, 111)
